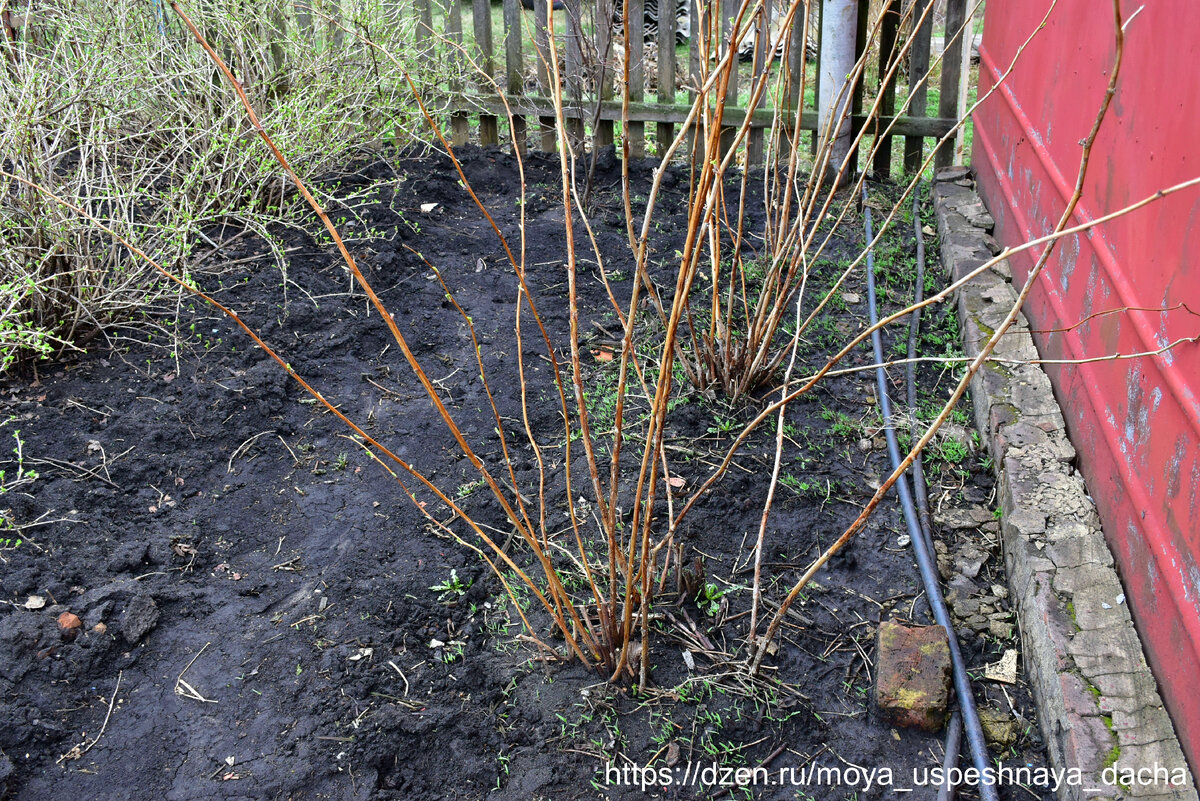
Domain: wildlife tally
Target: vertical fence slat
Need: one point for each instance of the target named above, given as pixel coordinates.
(603, 134)
(889, 27)
(762, 46)
(459, 121)
(964, 82)
(489, 133)
(815, 142)
(728, 9)
(668, 23)
(699, 32)
(424, 14)
(333, 28)
(918, 65)
(541, 44)
(637, 73)
(574, 64)
(951, 73)
(304, 18)
(514, 66)
(860, 47)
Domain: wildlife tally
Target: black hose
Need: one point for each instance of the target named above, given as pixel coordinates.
(950, 759)
(924, 554)
(954, 731)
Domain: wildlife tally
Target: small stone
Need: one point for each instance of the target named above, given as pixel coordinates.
(1000, 629)
(967, 607)
(912, 680)
(999, 728)
(141, 615)
(1000, 591)
(953, 173)
(69, 625)
(954, 518)
(35, 602)
(851, 297)
(983, 220)
(969, 560)
(99, 628)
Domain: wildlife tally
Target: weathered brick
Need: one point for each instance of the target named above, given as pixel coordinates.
(912, 680)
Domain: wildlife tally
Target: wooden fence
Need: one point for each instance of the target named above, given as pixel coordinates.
(592, 108)
(591, 105)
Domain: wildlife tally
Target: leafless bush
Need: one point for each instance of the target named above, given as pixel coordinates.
(112, 106)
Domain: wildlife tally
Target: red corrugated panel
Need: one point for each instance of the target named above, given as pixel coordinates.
(1135, 423)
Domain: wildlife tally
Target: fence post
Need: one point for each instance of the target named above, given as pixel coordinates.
(513, 66)
(304, 18)
(489, 132)
(881, 165)
(574, 62)
(459, 121)
(839, 26)
(918, 66)
(333, 26)
(762, 46)
(542, 45)
(860, 48)
(424, 14)
(728, 11)
(815, 140)
(964, 81)
(637, 73)
(664, 132)
(698, 33)
(603, 134)
(951, 73)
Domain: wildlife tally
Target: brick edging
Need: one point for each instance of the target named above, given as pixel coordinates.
(1097, 701)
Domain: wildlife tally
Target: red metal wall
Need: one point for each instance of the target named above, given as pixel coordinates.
(1135, 423)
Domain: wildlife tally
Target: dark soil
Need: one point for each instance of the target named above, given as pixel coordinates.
(262, 590)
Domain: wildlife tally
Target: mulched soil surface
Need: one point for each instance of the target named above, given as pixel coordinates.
(261, 589)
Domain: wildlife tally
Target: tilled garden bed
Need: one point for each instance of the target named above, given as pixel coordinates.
(264, 614)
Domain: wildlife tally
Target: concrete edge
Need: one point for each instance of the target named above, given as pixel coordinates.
(1099, 707)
